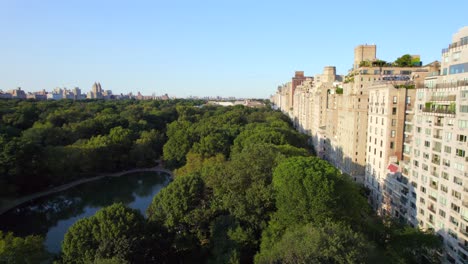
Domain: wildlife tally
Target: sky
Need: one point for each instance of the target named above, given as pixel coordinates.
(207, 48)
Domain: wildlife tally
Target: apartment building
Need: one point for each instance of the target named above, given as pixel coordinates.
(439, 161)
(402, 132)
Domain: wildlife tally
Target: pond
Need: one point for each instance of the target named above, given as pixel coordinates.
(51, 216)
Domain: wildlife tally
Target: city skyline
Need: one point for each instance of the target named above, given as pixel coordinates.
(240, 49)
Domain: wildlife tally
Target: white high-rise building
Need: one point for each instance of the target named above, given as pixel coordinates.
(438, 160)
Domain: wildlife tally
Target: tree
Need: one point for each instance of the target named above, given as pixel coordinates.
(114, 231)
(305, 190)
(17, 250)
(183, 210)
(410, 245)
(329, 242)
(178, 144)
(404, 61)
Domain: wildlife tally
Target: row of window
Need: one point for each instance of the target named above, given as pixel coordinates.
(447, 135)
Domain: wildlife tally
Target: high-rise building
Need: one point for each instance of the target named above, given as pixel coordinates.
(402, 131)
(438, 160)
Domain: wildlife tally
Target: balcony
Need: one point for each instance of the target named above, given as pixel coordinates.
(448, 98)
(442, 110)
(452, 84)
(439, 124)
(409, 119)
(408, 140)
(436, 160)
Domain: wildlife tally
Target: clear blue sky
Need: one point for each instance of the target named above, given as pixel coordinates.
(227, 48)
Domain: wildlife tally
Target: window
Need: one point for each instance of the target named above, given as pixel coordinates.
(447, 149)
(462, 123)
(458, 68)
(442, 200)
(427, 131)
(425, 167)
(464, 94)
(394, 111)
(417, 153)
(445, 175)
(455, 207)
(459, 166)
(442, 213)
(458, 181)
(446, 162)
(391, 145)
(461, 138)
(448, 136)
(420, 95)
(394, 99)
(464, 108)
(456, 194)
(393, 133)
(427, 143)
(418, 130)
(460, 153)
(450, 122)
(393, 122)
(443, 188)
(408, 99)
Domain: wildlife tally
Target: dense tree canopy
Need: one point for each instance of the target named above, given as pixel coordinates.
(246, 187)
(17, 250)
(48, 143)
(113, 232)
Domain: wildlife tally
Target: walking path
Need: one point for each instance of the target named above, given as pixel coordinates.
(6, 205)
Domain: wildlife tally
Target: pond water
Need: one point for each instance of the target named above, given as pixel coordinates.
(51, 216)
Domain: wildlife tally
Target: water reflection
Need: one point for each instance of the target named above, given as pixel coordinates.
(52, 215)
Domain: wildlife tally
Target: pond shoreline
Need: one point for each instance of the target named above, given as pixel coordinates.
(6, 205)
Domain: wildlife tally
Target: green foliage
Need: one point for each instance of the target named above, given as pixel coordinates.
(245, 184)
(339, 90)
(404, 61)
(182, 209)
(17, 250)
(114, 231)
(54, 142)
(305, 190)
(404, 244)
(311, 243)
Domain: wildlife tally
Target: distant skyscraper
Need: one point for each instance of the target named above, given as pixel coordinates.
(96, 91)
